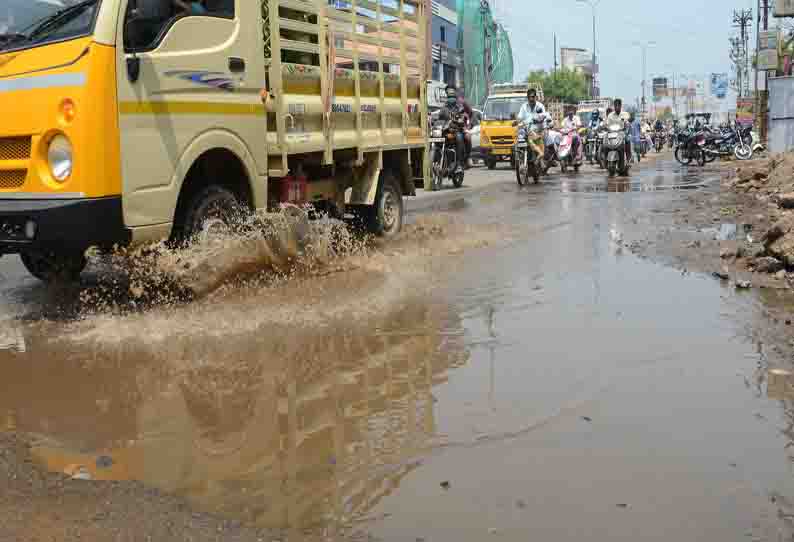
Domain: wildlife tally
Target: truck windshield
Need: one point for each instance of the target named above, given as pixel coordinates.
(503, 108)
(27, 23)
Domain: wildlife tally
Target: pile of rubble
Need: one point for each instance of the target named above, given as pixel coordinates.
(770, 182)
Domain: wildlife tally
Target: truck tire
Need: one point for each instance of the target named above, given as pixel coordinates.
(51, 267)
(491, 163)
(210, 207)
(385, 217)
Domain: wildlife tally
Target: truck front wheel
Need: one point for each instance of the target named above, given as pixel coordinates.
(212, 209)
(54, 266)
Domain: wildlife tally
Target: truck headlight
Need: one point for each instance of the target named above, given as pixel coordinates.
(59, 157)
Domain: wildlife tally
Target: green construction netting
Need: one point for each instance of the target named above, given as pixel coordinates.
(485, 43)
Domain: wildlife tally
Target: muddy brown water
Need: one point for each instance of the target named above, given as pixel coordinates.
(548, 387)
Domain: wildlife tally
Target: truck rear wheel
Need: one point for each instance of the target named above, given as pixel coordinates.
(54, 266)
(385, 217)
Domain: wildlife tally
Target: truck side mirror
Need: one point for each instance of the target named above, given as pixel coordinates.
(132, 34)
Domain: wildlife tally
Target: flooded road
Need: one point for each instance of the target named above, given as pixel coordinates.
(507, 371)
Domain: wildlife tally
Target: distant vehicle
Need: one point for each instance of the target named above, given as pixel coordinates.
(498, 135)
(436, 95)
(474, 134)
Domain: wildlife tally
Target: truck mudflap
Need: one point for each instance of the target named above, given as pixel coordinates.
(43, 223)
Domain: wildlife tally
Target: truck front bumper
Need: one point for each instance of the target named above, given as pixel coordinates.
(498, 153)
(60, 224)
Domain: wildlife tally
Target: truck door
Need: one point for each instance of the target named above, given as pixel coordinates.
(189, 73)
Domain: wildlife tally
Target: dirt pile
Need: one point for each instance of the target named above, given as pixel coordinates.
(770, 181)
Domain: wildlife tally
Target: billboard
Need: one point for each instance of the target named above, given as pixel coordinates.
(784, 8)
(767, 49)
(744, 111)
(719, 85)
(659, 87)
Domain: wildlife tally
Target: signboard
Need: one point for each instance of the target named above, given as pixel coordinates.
(719, 85)
(784, 8)
(659, 87)
(744, 111)
(767, 49)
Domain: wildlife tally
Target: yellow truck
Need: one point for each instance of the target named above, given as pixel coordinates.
(131, 121)
(497, 133)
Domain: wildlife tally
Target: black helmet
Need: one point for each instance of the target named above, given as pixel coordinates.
(452, 92)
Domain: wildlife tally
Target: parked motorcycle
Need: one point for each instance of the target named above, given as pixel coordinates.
(731, 141)
(690, 147)
(443, 153)
(528, 155)
(615, 149)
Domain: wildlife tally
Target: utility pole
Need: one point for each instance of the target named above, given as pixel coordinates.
(555, 52)
(763, 98)
(644, 46)
(594, 86)
(736, 58)
(742, 19)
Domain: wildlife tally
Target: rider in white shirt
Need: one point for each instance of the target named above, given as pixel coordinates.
(620, 117)
(532, 111)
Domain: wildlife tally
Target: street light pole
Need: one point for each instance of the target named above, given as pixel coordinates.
(593, 4)
(644, 46)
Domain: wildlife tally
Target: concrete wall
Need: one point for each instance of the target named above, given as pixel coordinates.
(781, 114)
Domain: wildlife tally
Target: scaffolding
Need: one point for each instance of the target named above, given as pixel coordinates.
(487, 53)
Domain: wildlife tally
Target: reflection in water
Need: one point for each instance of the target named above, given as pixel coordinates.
(663, 178)
(299, 429)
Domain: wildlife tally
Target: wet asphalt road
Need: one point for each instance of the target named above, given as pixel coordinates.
(515, 376)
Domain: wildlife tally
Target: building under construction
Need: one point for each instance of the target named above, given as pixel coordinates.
(487, 54)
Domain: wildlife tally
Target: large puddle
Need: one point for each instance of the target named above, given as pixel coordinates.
(547, 388)
(663, 174)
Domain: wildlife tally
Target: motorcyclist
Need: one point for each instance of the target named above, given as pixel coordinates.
(453, 111)
(572, 122)
(531, 112)
(658, 125)
(636, 135)
(469, 113)
(553, 137)
(646, 136)
(533, 115)
(619, 116)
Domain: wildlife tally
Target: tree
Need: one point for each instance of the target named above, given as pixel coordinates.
(666, 114)
(564, 85)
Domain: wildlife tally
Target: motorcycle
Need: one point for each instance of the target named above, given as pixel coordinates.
(731, 141)
(658, 141)
(551, 139)
(647, 144)
(565, 153)
(443, 153)
(690, 147)
(528, 155)
(592, 146)
(615, 149)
